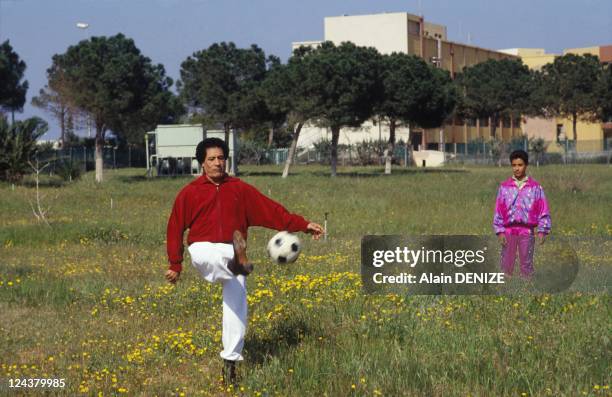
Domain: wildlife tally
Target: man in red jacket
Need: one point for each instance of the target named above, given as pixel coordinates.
(218, 209)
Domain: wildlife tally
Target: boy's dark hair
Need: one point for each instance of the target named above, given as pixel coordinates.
(520, 154)
(210, 143)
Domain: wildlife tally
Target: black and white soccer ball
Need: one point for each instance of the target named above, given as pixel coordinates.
(284, 247)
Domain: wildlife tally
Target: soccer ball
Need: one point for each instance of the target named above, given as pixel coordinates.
(284, 247)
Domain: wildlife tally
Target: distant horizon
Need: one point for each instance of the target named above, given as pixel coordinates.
(157, 26)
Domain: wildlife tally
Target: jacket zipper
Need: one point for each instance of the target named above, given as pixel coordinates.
(219, 218)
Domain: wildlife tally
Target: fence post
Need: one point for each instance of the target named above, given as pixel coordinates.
(85, 158)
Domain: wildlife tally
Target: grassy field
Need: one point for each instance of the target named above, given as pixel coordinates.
(85, 299)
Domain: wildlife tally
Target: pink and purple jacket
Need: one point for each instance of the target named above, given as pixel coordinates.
(526, 207)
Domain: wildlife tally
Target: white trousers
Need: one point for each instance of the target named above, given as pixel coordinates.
(211, 260)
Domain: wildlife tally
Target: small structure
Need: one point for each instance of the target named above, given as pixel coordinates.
(428, 158)
(171, 151)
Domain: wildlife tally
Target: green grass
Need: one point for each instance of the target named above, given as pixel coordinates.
(85, 299)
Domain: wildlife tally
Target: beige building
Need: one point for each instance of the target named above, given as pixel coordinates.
(410, 34)
(591, 137)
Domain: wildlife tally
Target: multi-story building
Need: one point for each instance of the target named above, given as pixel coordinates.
(406, 33)
(591, 137)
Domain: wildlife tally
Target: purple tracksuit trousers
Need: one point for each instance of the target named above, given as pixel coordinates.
(519, 238)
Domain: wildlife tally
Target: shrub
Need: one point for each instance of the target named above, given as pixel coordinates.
(68, 170)
(18, 146)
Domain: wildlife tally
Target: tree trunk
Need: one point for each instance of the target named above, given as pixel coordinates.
(226, 130)
(334, 150)
(230, 166)
(574, 119)
(390, 147)
(270, 137)
(99, 154)
(493, 126)
(292, 149)
(62, 126)
(410, 148)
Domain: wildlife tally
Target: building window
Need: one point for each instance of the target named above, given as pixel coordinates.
(414, 28)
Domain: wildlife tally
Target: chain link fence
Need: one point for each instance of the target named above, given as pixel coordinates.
(83, 157)
(540, 152)
(477, 152)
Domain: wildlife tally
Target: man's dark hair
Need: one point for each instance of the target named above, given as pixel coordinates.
(209, 143)
(520, 154)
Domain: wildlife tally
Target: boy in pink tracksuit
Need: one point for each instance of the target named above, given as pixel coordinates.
(520, 208)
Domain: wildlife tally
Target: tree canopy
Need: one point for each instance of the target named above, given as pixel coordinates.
(570, 87)
(343, 84)
(605, 95)
(118, 87)
(54, 99)
(288, 98)
(219, 84)
(495, 88)
(415, 93)
(12, 88)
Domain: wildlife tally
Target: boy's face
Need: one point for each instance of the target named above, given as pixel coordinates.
(519, 168)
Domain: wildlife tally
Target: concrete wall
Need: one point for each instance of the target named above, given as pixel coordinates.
(455, 56)
(386, 32)
(369, 131)
(539, 127)
(312, 44)
(350, 136)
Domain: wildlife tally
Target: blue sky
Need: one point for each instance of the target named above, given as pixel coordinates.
(167, 31)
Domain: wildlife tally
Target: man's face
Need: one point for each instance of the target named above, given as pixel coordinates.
(519, 168)
(214, 163)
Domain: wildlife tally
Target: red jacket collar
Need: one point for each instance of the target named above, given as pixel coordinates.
(204, 180)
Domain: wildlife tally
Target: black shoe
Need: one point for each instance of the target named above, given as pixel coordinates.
(229, 373)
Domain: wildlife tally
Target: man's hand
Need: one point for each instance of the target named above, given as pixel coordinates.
(541, 238)
(502, 239)
(172, 276)
(315, 229)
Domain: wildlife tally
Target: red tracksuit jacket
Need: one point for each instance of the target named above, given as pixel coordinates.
(212, 212)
